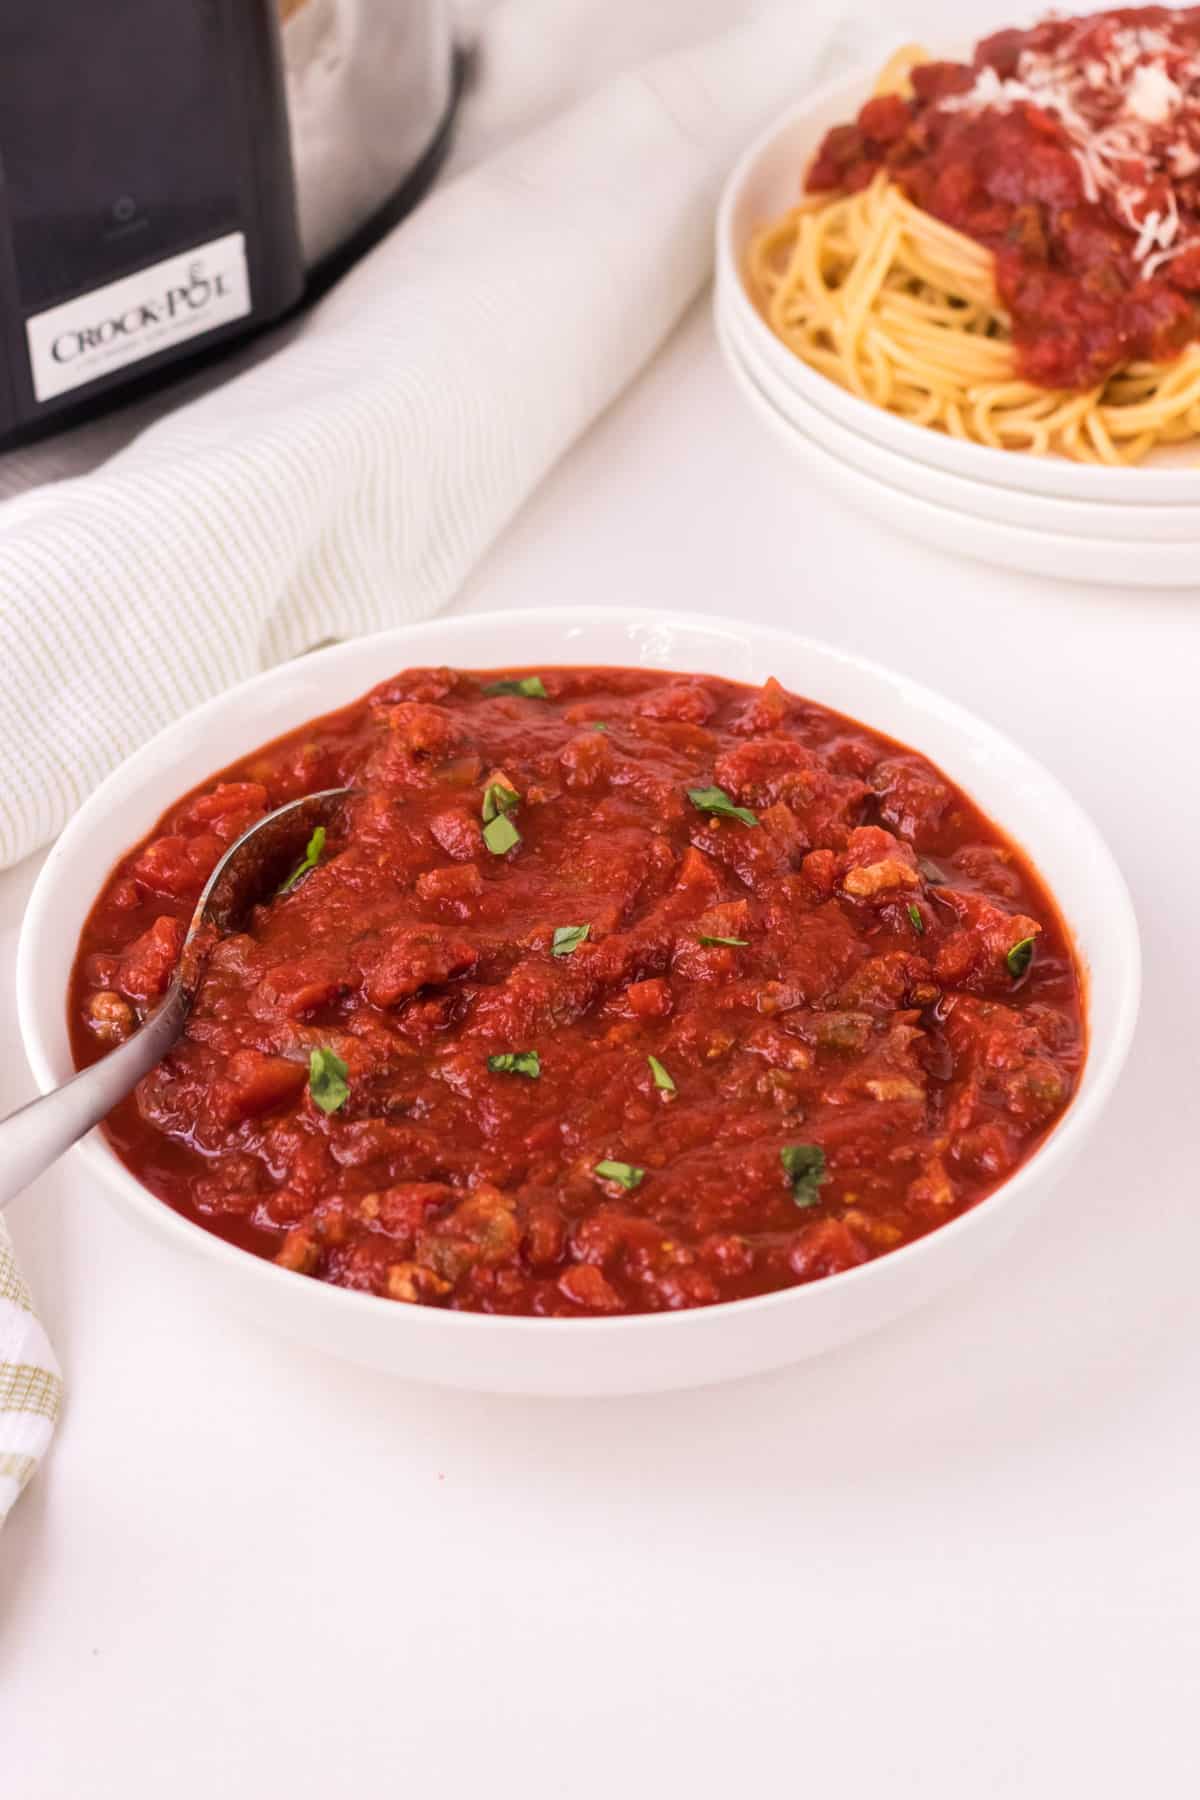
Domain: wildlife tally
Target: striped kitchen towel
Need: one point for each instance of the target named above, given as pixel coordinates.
(30, 1384)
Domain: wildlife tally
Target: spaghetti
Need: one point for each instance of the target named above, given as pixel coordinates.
(1009, 251)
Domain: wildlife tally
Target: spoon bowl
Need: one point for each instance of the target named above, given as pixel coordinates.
(254, 869)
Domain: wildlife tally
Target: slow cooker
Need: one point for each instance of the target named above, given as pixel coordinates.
(177, 173)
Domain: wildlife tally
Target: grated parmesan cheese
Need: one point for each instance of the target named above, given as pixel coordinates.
(1124, 95)
(1151, 94)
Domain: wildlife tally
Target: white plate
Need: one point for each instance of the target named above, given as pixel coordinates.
(1092, 519)
(766, 181)
(591, 1356)
(1112, 562)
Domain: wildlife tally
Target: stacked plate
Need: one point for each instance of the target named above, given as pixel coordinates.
(1041, 514)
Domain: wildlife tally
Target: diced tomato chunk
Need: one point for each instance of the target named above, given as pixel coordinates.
(698, 871)
(229, 810)
(826, 1247)
(424, 729)
(177, 866)
(885, 118)
(457, 833)
(649, 999)
(876, 862)
(687, 701)
(414, 959)
(149, 962)
(294, 988)
(458, 881)
(586, 760)
(587, 1287)
(254, 1083)
(403, 1210)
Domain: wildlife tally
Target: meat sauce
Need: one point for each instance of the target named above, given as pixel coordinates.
(1072, 152)
(626, 992)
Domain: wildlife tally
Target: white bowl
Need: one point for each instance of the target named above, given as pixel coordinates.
(1150, 526)
(592, 1356)
(1140, 562)
(765, 183)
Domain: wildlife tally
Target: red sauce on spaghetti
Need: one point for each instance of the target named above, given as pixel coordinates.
(1072, 151)
(792, 1036)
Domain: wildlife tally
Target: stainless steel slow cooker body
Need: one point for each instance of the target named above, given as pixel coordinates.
(370, 89)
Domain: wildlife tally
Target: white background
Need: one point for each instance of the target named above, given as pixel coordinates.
(961, 1559)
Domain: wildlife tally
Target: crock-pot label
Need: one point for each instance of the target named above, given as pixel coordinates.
(136, 317)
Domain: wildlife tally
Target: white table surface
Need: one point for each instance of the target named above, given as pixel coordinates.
(961, 1558)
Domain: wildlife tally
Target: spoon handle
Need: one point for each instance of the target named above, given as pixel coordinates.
(32, 1137)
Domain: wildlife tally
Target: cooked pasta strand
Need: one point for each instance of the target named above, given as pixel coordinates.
(902, 310)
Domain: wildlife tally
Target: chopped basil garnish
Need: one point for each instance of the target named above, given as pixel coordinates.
(498, 799)
(804, 1165)
(733, 943)
(918, 923)
(327, 1081)
(716, 800)
(312, 857)
(529, 686)
(661, 1078)
(1019, 958)
(599, 725)
(517, 1062)
(568, 938)
(499, 833)
(626, 1173)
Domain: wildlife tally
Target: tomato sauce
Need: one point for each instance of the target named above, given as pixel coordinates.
(609, 990)
(1072, 152)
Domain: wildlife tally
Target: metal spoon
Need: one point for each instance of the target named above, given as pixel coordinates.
(250, 871)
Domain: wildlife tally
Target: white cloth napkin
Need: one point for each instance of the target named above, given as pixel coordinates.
(349, 478)
(30, 1384)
